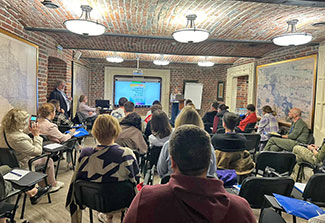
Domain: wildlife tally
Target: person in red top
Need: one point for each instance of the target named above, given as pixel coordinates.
(250, 118)
(189, 196)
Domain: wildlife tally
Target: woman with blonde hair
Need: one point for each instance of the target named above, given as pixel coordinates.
(188, 115)
(14, 129)
(120, 163)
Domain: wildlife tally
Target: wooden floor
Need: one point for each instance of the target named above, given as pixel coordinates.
(43, 212)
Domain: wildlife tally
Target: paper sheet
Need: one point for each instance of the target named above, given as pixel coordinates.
(15, 174)
(52, 146)
(300, 187)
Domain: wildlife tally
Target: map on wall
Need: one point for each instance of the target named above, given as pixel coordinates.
(287, 84)
(18, 69)
(80, 83)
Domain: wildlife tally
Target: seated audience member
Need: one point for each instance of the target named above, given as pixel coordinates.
(89, 112)
(189, 196)
(131, 128)
(14, 125)
(120, 163)
(249, 118)
(298, 133)
(188, 115)
(149, 113)
(267, 124)
(217, 122)
(160, 127)
(230, 148)
(209, 116)
(188, 102)
(60, 118)
(312, 154)
(119, 113)
(154, 108)
(5, 187)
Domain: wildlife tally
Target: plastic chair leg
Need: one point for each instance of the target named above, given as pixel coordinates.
(91, 216)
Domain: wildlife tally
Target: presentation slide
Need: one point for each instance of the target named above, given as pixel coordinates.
(141, 93)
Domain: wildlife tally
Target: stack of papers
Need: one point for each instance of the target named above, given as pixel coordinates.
(300, 187)
(52, 146)
(15, 174)
(238, 186)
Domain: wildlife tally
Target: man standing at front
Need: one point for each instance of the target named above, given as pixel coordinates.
(189, 196)
(298, 133)
(58, 94)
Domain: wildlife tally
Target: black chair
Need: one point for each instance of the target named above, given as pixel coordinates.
(149, 176)
(80, 118)
(64, 128)
(252, 142)
(250, 127)
(70, 149)
(253, 189)
(281, 162)
(270, 216)
(8, 157)
(104, 197)
(313, 191)
(165, 179)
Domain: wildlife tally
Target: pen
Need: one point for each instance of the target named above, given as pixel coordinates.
(17, 174)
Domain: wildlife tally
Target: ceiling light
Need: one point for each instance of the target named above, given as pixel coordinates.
(114, 59)
(161, 61)
(83, 25)
(292, 37)
(205, 63)
(191, 34)
(50, 4)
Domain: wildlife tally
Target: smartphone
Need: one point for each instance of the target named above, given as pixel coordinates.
(33, 119)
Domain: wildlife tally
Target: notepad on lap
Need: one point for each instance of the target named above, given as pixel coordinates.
(15, 174)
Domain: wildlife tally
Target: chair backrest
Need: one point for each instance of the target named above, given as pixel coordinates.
(253, 189)
(270, 216)
(80, 118)
(252, 141)
(104, 197)
(71, 143)
(281, 162)
(154, 155)
(64, 128)
(314, 191)
(8, 157)
(250, 127)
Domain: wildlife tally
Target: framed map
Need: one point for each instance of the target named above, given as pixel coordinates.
(18, 72)
(287, 84)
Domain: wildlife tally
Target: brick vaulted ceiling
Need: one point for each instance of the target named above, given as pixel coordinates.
(237, 28)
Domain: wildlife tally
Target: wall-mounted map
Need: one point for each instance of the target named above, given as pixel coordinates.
(287, 84)
(18, 70)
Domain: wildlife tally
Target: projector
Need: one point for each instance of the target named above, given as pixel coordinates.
(137, 72)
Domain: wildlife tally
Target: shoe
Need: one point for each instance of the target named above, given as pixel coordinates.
(57, 187)
(40, 191)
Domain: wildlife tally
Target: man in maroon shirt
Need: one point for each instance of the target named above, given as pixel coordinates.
(250, 118)
(189, 196)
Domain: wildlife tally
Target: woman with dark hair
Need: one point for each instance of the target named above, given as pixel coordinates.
(160, 128)
(267, 124)
(217, 122)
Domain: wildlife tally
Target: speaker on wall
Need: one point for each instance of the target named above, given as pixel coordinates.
(77, 55)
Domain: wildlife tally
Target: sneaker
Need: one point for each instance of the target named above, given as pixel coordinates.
(57, 187)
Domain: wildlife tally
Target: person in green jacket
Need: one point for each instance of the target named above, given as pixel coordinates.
(298, 133)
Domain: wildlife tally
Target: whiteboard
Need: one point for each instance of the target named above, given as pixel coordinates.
(194, 91)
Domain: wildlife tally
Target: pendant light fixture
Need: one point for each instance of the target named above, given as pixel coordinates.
(190, 34)
(50, 4)
(161, 61)
(292, 37)
(205, 63)
(115, 58)
(83, 25)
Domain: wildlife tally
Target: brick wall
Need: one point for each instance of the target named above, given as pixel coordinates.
(178, 73)
(57, 69)
(9, 21)
(242, 92)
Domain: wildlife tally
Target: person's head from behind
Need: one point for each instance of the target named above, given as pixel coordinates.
(122, 101)
(222, 107)
(294, 113)
(214, 106)
(268, 110)
(15, 120)
(155, 108)
(160, 125)
(106, 129)
(189, 115)
(188, 101)
(60, 84)
(250, 108)
(128, 107)
(56, 104)
(47, 111)
(230, 121)
(190, 151)
(83, 98)
(156, 102)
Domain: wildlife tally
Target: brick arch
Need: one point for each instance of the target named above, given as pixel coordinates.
(57, 69)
